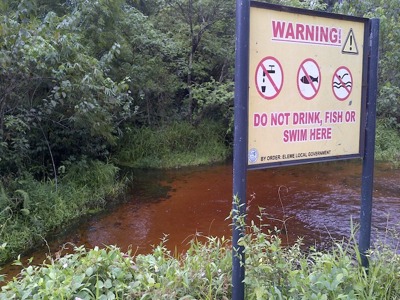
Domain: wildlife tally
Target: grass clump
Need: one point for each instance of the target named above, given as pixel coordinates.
(176, 145)
(31, 209)
(204, 272)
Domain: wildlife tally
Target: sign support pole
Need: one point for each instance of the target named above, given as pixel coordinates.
(369, 152)
(240, 145)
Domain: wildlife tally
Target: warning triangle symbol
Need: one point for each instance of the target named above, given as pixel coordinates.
(350, 45)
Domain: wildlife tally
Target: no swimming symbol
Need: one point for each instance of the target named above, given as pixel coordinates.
(342, 83)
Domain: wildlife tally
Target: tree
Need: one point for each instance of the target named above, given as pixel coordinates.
(147, 56)
(204, 31)
(56, 100)
(389, 52)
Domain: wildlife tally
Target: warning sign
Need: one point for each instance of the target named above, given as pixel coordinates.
(350, 45)
(269, 78)
(299, 62)
(308, 79)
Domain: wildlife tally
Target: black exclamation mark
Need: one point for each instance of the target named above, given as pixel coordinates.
(351, 42)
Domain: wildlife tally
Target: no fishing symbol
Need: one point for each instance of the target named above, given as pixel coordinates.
(308, 79)
(342, 83)
(269, 78)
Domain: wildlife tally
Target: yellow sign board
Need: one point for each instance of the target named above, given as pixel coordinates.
(305, 86)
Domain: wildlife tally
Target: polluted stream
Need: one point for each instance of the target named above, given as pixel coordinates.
(317, 202)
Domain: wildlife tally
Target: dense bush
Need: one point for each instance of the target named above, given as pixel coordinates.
(77, 76)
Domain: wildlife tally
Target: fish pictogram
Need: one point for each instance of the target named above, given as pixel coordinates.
(305, 80)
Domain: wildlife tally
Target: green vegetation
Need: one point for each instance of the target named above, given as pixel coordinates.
(179, 144)
(87, 86)
(32, 209)
(204, 272)
(387, 144)
(28, 217)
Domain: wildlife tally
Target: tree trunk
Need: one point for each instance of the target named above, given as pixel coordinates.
(189, 86)
(190, 63)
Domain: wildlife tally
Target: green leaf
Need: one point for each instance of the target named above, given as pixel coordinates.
(25, 211)
(89, 271)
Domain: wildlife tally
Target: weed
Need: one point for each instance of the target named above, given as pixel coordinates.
(204, 272)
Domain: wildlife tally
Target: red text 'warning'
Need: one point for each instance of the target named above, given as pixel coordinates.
(306, 33)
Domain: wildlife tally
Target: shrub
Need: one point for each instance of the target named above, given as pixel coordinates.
(201, 273)
(204, 272)
(95, 274)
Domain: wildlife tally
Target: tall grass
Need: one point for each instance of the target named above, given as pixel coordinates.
(31, 209)
(178, 144)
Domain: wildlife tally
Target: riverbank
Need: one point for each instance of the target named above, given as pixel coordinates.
(387, 146)
(32, 210)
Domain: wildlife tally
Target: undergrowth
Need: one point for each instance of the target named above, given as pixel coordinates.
(204, 272)
(176, 145)
(387, 144)
(32, 209)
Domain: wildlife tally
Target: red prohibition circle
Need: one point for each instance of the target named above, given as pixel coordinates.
(342, 83)
(313, 82)
(269, 78)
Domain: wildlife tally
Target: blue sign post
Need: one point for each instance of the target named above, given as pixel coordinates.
(368, 159)
(240, 143)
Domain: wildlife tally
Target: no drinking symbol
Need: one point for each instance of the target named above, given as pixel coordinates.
(269, 78)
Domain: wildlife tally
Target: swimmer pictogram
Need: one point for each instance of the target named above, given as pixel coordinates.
(342, 83)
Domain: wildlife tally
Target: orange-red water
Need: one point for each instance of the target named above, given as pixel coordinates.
(316, 202)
